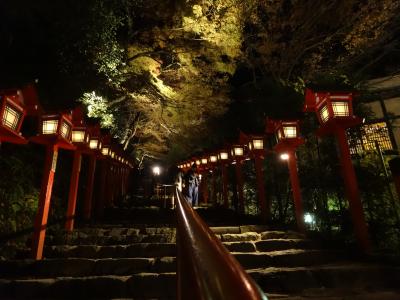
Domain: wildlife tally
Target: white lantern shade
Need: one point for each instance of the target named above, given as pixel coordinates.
(290, 131)
(324, 113)
(11, 117)
(213, 158)
(258, 144)
(238, 151)
(65, 130)
(105, 151)
(93, 144)
(49, 126)
(78, 136)
(340, 108)
(204, 161)
(198, 162)
(223, 155)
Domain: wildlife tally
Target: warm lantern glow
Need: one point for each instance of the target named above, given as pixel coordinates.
(324, 113)
(49, 126)
(290, 131)
(100, 145)
(284, 156)
(213, 158)
(204, 161)
(93, 143)
(198, 162)
(78, 136)
(112, 154)
(238, 151)
(340, 108)
(223, 155)
(258, 144)
(11, 117)
(65, 129)
(105, 151)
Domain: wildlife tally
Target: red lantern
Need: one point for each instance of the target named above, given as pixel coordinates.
(12, 113)
(334, 109)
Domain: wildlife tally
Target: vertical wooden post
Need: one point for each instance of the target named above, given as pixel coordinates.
(294, 180)
(49, 170)
(352, 192)
(224, 185)
(87, 206)
(73, 190)
(102, 189)
(262, 201)
(239, 185)
(204, 187)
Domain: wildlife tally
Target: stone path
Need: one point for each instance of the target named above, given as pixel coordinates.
(139, 262)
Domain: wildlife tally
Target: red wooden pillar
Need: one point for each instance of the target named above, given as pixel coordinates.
(294, 181)
(239, 184)
(224, 185)
(73, 190)
(44, 201)
(87, 205)
(262, 201)
(204, 185)
(352, 192)
(214, 188)
(103, 189)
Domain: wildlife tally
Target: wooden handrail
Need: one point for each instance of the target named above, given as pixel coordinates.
(206, 269)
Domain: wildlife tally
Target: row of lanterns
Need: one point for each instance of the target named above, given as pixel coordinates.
(64, 130)
(66, 127)
(334, 112)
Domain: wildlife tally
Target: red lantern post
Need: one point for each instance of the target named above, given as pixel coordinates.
(104, 173)
(203, 170)
(95, 145)
(223, 158)
(80, 138)
(237, 153)
(257, 152)
(288, 139)
(212, 163)
(335, 114)
(55, 133)
(12, 113)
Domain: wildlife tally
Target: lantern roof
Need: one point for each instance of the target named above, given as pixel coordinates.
(314, 98)
(31, 100)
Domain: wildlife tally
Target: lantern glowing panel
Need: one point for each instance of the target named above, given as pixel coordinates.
(93, 144)
(198, 162)
(223, 155)
(49, 126)
(213, 158)
(340, 108)
(105, 151)
(289, 131)
(65, 129)
(324, 114)
(204, 161)
(238, 151)
(258, 144)
(78, 136)
(11, 117)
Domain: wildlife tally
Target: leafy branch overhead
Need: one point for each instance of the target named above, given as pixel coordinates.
(158, 73)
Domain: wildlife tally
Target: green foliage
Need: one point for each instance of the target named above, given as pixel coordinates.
(18, 195)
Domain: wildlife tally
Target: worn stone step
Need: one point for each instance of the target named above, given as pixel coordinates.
(339, 294)
(339, 275)
(286, 258)
(269, 245)
(85, 267)
(143, 285)
(115, 240)
(93, 251)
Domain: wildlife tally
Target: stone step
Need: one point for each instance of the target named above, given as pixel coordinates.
(85, 267)
(142, 285)
(340, 275)
(286, 258)
(339, 294)
(93, 251)
(269, 245)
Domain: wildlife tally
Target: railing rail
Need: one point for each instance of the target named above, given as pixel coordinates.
(206, 270)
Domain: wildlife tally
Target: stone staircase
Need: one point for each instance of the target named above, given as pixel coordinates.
(138, 261)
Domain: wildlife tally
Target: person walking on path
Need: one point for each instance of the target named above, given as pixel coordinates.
(192, 186)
